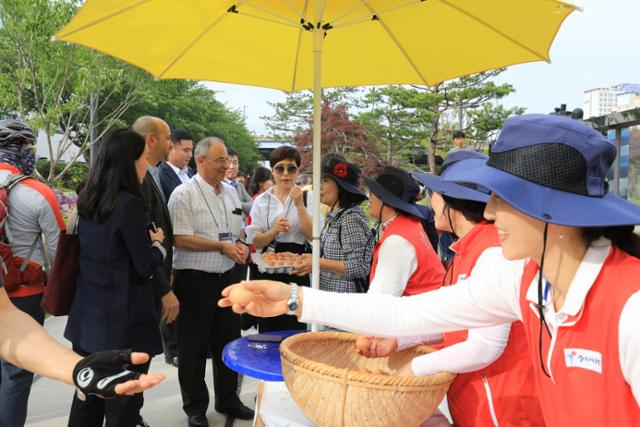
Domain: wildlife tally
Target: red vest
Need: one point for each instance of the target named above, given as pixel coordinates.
(505, 389)
(591, 391)
(429, 272)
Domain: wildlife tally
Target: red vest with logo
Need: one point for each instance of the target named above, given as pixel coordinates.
(502, 393)
(429, 272)
(588, 387)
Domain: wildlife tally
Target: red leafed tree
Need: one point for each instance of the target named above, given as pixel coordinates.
(340, 135)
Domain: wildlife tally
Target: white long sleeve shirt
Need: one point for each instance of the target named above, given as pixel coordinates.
(490, 296)
(397, 261)
(482, 347)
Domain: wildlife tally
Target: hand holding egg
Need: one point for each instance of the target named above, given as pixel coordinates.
(240, 295)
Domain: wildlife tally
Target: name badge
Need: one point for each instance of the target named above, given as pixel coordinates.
(585, 359)
(225, 237)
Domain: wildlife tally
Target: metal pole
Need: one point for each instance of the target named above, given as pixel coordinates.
(318, 37)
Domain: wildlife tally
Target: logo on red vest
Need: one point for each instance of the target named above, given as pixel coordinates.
(585, 359)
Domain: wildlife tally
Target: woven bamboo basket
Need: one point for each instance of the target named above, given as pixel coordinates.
(320, 370)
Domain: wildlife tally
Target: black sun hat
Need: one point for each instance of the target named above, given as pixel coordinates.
(345, 174)
(396, 188)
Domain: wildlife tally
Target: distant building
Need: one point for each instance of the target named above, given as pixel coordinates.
(42, 148)
(266, 146)
(604, 100)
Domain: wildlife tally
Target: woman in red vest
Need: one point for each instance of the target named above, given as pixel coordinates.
(404, 262)
(572, 278)
(495, 382)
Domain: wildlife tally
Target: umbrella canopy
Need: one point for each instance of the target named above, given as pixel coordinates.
(269, 43)
(301, 44)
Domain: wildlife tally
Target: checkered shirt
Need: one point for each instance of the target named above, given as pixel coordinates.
(191, 216)
(346, 237)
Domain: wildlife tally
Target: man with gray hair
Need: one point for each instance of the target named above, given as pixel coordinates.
(207, 225)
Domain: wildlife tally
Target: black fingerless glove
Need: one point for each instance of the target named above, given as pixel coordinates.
(99, 373)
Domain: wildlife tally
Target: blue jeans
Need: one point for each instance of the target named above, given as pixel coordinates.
(15, 383)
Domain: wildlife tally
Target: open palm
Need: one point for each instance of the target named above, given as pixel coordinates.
(269, 298)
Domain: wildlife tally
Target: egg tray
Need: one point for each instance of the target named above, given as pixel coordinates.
(263, 267)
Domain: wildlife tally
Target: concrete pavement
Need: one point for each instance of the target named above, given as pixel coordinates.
(50, 400)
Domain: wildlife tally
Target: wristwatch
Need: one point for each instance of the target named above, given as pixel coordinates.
(292, 304)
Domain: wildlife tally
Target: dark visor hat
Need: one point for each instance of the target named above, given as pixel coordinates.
(396, 188)
(553, 169)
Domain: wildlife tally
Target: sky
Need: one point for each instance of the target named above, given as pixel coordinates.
(598, 47)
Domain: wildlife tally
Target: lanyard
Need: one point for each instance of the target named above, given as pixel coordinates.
(286, 212)
(211, 211)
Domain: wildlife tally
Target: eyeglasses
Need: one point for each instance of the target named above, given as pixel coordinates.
(291, 169)
(220, 161)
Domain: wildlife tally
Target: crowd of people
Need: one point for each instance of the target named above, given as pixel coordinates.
(512, 288)
(539, 302)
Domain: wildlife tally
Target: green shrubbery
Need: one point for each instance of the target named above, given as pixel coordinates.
(70, 179)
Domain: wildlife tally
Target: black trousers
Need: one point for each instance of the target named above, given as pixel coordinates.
(202, 324)
(169, 341)
(123, 411)
(283, 322)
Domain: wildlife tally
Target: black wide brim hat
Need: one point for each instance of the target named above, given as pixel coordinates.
(346, 175)
(552, 169)
(396, 188)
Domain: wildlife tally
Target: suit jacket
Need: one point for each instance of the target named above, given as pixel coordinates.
(114, 303)
(156, 211)
(246, 201)
(169, 180)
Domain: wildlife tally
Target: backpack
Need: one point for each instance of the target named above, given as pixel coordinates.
(16, 271)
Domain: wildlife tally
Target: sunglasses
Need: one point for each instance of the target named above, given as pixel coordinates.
(291, 169)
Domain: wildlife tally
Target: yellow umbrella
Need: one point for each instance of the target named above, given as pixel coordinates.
(301, 44)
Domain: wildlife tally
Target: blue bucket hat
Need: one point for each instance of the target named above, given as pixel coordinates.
(396, 188)
(553, 169)
(464, 191)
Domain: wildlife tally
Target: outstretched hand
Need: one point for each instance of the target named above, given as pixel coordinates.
(145, 381)
(265, 298)
(376, 347)
(106, 374)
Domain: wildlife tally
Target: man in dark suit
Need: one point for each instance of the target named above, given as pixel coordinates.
(176, 170)
(156, 133)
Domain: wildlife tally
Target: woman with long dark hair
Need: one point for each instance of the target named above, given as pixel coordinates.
(261, 180)
(571, 278)
(114, 306)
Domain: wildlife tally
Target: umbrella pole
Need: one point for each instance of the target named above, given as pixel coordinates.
(318, 38)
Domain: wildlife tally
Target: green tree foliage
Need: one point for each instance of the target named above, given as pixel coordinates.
(340, 134)
(66, 89)
(54, 85)
(191, 106)
(393, 119)
(291, 117)
(456, 104)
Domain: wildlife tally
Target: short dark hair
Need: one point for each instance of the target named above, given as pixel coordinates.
(285, 152)
(260, 175)
(231, 152)
(113, 171)
(346, 199)
(473, 211)
(458, 134)
(179, 134)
